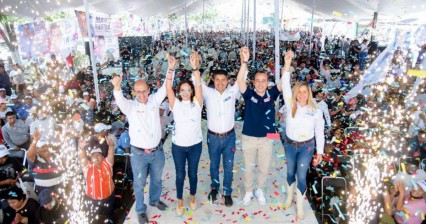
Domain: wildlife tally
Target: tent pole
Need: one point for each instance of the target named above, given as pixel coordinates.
(248, 25)
(92, 55)
(243, 12)
(254, 32)
(374, 25)
(186, 27)
(203, 21)
(312, 28)
(277, 40)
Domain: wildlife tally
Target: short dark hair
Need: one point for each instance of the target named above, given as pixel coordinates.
(219, 72)
(316, 93)
(10, 113)
(190, 84)
(262, 72)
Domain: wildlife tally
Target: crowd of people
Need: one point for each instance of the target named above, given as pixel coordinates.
(213, 78)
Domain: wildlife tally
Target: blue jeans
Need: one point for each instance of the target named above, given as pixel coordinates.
(142, 163)
(181, 154)
(362, 56)
(298, 161)
(226, 147)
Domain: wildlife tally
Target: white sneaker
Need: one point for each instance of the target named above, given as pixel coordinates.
(260, 197)
(247, 198)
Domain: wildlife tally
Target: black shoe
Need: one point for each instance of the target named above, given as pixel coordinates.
(143, 218)
(213, 195)
(161, 206)
(228, 201)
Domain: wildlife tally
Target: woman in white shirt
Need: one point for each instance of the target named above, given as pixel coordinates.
(187, 136)
(304, 128)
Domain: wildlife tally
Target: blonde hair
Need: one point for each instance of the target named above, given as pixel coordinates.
(296, 89)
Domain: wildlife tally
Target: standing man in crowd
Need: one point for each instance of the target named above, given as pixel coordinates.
(259, 119)
(220, 103)
(5, 83)
(143, 114)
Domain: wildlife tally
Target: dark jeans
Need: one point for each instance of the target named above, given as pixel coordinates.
(362, 56)
(298, 161)
(182, 154)
(224, 147)
(104, 209)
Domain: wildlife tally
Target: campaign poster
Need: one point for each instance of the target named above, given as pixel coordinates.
(63, 37)
(105, 48)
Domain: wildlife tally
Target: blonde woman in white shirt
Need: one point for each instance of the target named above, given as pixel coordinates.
(187, 137)
(304, 128)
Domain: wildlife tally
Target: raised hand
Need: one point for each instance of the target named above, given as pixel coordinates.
(37, 135)
(194, 60)
(289, 56)
(109, 142)
(116, 81)
(244, 54)
(172, 62)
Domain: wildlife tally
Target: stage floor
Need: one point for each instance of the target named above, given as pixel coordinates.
(275, 192)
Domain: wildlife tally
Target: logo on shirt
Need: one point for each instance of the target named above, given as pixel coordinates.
(227, 98)
(267, 99)
(253, 99)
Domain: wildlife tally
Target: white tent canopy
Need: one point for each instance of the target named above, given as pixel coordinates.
(351, 10)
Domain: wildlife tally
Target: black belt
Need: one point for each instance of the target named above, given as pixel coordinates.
(294, 143)
(221, 135)
(151, 150)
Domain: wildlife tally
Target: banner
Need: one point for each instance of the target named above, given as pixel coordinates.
(63, 37)
(99, 25)
(290, 36)
(105, 48)
(82, 24)
(32, 39)
(379, 68)
(132, 24)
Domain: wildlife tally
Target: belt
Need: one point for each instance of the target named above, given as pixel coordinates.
(294, 143)
(221, 135)
(148, 151)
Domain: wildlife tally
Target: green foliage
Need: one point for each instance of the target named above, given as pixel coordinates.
(172, 17)
(81, 60)
(209, 15)
(58, 16)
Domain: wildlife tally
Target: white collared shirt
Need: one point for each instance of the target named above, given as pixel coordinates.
(306, 123)
(324, 107)
(220, 108)
(187, 117)
(144, 119)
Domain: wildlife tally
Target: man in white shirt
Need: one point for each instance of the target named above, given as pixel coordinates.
(319, 96)
(145, 134)
(18, 78)
(363, 54)
(46, 125)
(220, 103)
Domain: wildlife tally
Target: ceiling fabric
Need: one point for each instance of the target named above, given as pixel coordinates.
(350, 10)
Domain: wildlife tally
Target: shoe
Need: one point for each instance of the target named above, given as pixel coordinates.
(228, 201)
(213, 195)
(260, 197)
(300, 198)
(160, 205)
(193, 205)
(143, 218)
(290, 195)
(247, 198)
(179, 210)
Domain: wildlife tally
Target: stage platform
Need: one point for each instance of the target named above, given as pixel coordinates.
(216, 213)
